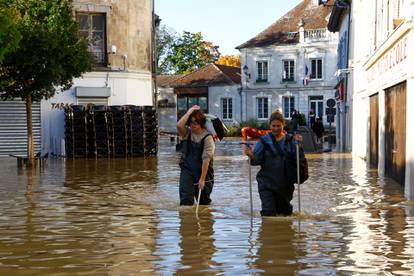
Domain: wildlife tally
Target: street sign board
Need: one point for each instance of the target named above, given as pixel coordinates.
(330, 111)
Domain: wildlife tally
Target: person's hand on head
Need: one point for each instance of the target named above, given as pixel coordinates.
(191, 109)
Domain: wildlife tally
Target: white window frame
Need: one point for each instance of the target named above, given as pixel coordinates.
(286, 74)
(227, 110)
(260, 77)
(265, 101)
(314, 75)
(317, 101)
(291, 106)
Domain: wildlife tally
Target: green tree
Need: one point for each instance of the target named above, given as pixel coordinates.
(165, 38)
(50, 55)
(190, 52)
(9, 34)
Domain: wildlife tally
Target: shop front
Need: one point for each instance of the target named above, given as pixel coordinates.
(391, 105)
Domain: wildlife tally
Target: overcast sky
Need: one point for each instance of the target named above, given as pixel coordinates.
(226, 23)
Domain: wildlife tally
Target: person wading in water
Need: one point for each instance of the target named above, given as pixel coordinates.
(196, 161)
(275, 190)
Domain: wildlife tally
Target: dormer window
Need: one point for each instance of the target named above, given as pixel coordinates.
(291, 35)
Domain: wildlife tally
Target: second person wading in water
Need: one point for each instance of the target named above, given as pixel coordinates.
(275, 190)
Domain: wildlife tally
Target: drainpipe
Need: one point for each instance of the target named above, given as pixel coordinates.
(240, 90)
(346, 107)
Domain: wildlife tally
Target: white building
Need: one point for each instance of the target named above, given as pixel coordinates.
(167, 103)
(290, 65)
(381, 36)
(215, 88)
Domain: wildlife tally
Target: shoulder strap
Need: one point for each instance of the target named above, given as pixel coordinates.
(202, 139)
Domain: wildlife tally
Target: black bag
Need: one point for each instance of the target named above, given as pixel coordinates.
(291, 165)
(219, 128)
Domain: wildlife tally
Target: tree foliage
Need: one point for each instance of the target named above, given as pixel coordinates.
(184, 53)
(9, 34)
(165, 38)
(229, 60)
(50, 54)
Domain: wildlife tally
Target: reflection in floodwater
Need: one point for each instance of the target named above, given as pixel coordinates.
(121, 217)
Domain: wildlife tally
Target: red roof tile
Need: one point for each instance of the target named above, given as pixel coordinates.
(313, 16)
(167, 80)
(210, 75)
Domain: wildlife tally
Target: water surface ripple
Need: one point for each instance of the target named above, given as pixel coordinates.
(120, 217)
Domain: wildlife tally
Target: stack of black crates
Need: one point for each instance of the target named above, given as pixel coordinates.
(150, 136)
(76, 132)
(136, 130)
(111, 131)
(100, 129)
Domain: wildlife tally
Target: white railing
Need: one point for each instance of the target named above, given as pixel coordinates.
(317, 35)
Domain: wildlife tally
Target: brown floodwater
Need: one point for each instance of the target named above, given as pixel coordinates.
(121, 217)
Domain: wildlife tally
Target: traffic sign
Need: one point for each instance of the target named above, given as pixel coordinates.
(330, 102)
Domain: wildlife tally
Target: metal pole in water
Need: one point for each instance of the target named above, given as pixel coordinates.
(198, 201)
(298, 174)
(250, 187)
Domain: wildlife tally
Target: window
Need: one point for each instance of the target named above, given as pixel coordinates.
(262, 71)
(316, 105)
(184, 103)
(288, 70)
(262, 108)
(316, 69)
(288, 106)
(227, 108)
(92, 27)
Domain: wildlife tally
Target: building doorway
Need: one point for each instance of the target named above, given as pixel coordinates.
(373, 132)
(395, 123)
(316, 106)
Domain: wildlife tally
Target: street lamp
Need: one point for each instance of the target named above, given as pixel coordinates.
(246, 71)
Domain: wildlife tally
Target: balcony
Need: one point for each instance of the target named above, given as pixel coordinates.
(318, 35)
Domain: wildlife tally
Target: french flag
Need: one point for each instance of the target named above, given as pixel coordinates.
(306, 78)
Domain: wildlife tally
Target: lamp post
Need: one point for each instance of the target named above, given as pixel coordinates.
(246, 77)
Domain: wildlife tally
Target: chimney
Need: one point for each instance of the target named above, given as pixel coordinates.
(301, 31)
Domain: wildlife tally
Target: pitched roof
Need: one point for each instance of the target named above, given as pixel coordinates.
(210, 75)
(167, 80)
(313, 16)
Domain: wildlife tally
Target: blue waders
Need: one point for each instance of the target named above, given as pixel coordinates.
(191, 163)
(274, 188)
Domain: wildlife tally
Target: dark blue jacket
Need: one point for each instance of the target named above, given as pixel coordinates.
(271, 160)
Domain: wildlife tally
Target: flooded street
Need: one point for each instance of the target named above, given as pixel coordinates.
(121, 217)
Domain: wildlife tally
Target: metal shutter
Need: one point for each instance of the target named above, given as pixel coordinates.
(92, 100)
(13, 130)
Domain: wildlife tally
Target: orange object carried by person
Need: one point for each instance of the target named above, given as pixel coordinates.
(253, 133)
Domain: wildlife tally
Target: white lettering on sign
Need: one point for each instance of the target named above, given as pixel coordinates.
(389, 60)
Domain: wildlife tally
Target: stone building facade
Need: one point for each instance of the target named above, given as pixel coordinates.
(121, 40)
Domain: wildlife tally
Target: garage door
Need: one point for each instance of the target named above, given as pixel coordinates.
(13, 130)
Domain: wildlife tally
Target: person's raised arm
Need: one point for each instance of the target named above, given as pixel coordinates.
(183, 120)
